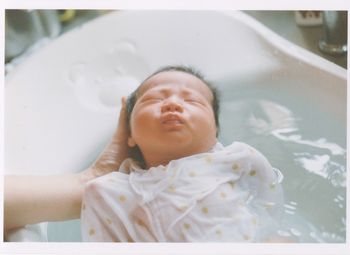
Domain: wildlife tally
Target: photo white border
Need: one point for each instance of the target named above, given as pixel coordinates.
(2, 115)
(175, 248)
(167, 248)
(179, 4)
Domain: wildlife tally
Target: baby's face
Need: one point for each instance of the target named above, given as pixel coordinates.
(173, 113)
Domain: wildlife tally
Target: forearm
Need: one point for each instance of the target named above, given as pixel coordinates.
(33, 199)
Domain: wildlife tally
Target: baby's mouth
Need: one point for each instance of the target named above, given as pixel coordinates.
(172, 122)
(171, 119)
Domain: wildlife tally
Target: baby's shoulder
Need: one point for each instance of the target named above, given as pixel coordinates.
(112, 180)
(258, 163)
(243, 147)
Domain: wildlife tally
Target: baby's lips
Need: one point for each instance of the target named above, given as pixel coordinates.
(171, 118)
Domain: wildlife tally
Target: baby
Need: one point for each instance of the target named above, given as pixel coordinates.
(179, 183)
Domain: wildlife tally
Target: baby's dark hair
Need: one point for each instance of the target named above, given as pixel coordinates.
(135, 152)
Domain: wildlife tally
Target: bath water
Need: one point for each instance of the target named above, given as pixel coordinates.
(307, 144)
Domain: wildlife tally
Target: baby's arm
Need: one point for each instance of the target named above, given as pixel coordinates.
(33, 199)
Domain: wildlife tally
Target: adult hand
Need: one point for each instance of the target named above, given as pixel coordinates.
(116, 151)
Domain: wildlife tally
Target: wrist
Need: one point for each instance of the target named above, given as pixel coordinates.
(86, 176)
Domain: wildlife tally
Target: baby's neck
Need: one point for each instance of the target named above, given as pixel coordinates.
(163, 158)
(154, 161)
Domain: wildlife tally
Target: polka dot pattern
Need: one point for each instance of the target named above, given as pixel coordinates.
(210, 197)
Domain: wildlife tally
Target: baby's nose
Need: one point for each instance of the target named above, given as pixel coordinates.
(172, 104)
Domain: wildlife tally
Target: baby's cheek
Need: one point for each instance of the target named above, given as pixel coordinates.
(142, 121)
(206, 128)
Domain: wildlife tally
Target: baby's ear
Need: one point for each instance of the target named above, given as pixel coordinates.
(131, 142)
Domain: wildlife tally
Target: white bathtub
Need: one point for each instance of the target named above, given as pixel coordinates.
(62, 103)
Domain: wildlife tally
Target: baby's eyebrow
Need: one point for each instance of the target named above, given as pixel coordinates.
(155, 90)
(165, 89)
(159, 89)
(168, 90)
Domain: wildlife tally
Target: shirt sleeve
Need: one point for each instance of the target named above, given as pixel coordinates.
(106, 208)
(265, 192)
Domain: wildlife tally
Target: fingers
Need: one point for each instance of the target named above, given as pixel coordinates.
(123, 101)
(122, 113)
(117, 150)
(121, 132)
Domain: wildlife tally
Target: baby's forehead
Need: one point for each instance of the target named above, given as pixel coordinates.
(183, 80)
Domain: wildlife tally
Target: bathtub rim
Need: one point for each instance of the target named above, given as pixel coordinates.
(285, 46)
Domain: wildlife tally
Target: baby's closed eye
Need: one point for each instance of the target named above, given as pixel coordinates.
(153, 98)
(193, 100)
